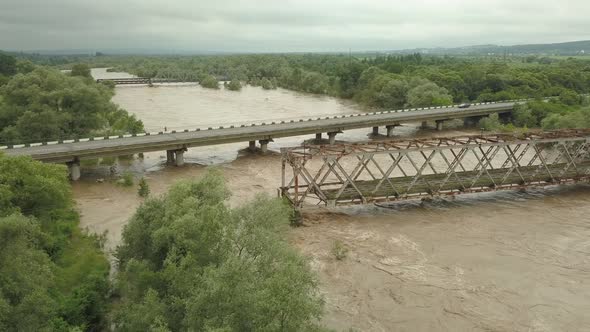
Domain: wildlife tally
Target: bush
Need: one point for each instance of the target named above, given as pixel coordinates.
(144, 189)
(81, 70)
(234, 85)
(209, 82)
(490, 123)
(267, 84)
(339, 250)
(126, 179)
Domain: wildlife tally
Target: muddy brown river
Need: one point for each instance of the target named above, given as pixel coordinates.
(509, 261)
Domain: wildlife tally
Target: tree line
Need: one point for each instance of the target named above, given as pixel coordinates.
(384, 81)
(37, 103)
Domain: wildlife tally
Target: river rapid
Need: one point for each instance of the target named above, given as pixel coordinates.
(510, 261)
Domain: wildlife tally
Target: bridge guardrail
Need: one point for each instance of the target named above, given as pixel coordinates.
(23, 145)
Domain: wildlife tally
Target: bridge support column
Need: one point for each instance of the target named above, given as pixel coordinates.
(390, 129)
(439, 125)
(170, 156)
(424, 125)
(252, 145)
(179, 154)
(332, 138)
(375, 131)
(264, 145)
(74, 168)
(318, 137)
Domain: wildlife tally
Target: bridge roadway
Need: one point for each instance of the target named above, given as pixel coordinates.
(175, 143)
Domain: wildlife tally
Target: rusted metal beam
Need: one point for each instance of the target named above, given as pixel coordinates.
(401, 169)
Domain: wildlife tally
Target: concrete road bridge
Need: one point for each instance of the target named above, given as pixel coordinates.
(139, 80)
(384, 171)
(151, 81)
(177, 142)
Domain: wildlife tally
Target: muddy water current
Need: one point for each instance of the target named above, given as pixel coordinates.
(509, 261)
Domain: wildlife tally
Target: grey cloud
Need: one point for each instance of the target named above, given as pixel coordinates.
(286, 25)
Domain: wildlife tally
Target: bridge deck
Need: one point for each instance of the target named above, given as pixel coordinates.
(86, 149)
(463, 182)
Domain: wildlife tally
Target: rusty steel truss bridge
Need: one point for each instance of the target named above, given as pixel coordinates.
(383, 171)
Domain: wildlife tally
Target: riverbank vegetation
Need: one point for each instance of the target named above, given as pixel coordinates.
(382, 81)
(190, 263)
(187, 261)
(53, 276)
(567, 111)
(41, 104)
(234, 85)
(379, 81)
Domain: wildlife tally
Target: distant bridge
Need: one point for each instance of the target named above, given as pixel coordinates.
(138, 80)
(176, 143)
(393, 170)
(151, 81)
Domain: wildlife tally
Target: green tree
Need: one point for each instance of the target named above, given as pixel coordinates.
(47, 105)
(428, 94)
(7, 65)
(267, 84)
(82, 70)
(234, 85)
(209, 82)
(53, 277)
(188, 262)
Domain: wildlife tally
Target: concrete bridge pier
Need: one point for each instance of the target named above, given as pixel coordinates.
(318, 137)
(439, 125)
(170, 157)
(264, 145)
(179, 154)
(252, 145)
(390, 129)
(332, 137)
(74, 168)
(424, 125)
(375, 131)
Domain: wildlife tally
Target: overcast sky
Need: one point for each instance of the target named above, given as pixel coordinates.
(286, 25)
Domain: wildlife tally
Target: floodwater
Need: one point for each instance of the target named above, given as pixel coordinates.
(510, 261)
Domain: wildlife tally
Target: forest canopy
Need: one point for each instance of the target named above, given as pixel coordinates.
(44, 104)
(382, 81)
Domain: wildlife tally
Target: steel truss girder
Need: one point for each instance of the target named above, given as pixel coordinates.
(401, 169)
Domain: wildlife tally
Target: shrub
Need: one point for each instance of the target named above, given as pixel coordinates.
(339, 250)
(234, 85)
(209, 82)
(144, 188)
(126, 179)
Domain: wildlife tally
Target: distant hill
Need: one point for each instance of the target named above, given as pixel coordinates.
(569, 48)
